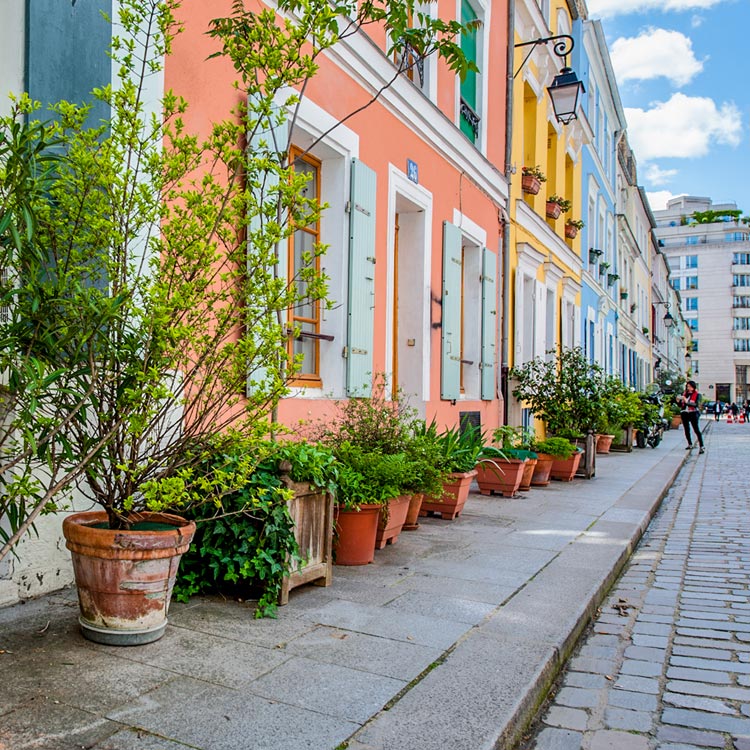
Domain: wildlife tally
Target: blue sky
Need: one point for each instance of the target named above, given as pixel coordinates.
(681, 67)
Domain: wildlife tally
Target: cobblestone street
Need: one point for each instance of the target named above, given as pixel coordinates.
(667, 663)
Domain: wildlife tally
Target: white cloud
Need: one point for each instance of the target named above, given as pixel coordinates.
(683, 126)
(655, 53)
(696, 21)
(655, 175)
(605, 8)
(658, 200)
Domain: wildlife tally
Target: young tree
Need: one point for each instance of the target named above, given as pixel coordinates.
(158, 253)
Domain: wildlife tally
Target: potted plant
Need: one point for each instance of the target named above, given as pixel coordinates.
(572, 227)
(594, 254)
(459, 449)
(532, 179)
(425, 477)
(563, 456)
(498, 471)
(623, 294)
(612, 278)
(557, 205)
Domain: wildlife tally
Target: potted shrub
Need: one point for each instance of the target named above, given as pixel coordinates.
(557, 205)
(532, 179)
(498, 471)
(424, 474)
(572, 227)
(459, 449)
(563, 459)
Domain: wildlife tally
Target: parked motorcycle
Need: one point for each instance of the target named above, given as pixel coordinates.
(651, 430)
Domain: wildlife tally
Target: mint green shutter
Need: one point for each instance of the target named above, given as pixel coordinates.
(489, 323)
(469, 83)
(268, 142)
(361, 320)
(450, 359)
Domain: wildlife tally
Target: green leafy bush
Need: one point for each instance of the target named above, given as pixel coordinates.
(555, 446)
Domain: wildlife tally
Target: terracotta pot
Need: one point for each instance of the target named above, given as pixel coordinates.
(500, 475)
(540, 477)
(354, 539)
(603, 443)
(125, 578)
(571, 231)
(455, 492)
(553, 210)
(528, 473)
(391, 522)
(564, 469)
(676, 422)
(530, 184)
(415, 504)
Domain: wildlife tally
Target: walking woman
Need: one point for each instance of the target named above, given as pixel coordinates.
(690, 412)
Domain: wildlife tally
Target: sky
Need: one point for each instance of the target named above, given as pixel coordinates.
(681, 68)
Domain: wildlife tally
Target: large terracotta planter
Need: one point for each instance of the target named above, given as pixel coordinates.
(564, 469)
(500, 475)
(354, 540)
(412, 515)
(391, 521)
(311, 510)
(125, 578)
(455, 493)
(528, 473)
(541, 475)
(604, 443)
(676, 422)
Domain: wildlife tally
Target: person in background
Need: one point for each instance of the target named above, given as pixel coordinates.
(717, 411)
(747, 410)
(690, 402)
(735, 410)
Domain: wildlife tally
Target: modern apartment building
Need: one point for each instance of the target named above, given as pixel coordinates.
(707, 246)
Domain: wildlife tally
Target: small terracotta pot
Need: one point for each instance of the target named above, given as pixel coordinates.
(571, 231)
(528, 473)
(354, 539)
(391, 522)
(564, 469)
(553, 210)
(530, 184)
(125, 578)
(415, 504)
(542, 470)
(603, 443)
(455, 493)
(501, 475)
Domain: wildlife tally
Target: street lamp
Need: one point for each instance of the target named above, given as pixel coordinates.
(669, 321)
(566, 89)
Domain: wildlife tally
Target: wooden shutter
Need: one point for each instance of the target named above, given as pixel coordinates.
(361, 303)
(489, 323)
(450, 360)
(269, 140)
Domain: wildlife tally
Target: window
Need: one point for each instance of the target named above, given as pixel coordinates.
(410, 62)
(741, 324)
(692, 324)
(692, 240)
(691, 282)
(675, 283)
(468, 117)
(741, 301)
(694, 345)
(690, 304)
(691, 261)
(735, 236)
(741, 259)
(741, 279)
(742, 345)
(304, 319)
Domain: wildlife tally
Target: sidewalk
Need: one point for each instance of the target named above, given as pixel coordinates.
(449, 639)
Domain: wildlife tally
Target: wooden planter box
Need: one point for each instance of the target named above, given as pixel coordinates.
(501, 475)
(312, 513)
(623, 443)
(530, 184)
(455, 493)
(553, 210)
(587, 465)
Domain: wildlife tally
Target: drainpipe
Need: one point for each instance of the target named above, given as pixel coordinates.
(504, 368)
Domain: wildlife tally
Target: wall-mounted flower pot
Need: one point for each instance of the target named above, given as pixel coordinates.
(571, 231)
(392, 519)
(455, 493)
(530, 184)
(553, 210)
(501, 475)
